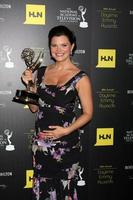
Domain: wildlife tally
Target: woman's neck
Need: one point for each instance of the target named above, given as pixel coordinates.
(63, 65)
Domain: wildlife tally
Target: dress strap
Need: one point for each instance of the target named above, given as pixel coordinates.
(40, 73)
(77, 77)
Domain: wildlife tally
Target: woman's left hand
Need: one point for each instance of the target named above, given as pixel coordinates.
(55, 132)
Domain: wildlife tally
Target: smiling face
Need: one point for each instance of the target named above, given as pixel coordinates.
(61, 48)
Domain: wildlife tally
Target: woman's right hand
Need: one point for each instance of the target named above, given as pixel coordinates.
(27, 76)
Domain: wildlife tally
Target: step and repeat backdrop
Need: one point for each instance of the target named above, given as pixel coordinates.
(104, 50)
(111, 130)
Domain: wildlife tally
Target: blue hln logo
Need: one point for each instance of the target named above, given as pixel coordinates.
(104, 137)
(35, 14)
(106, 58)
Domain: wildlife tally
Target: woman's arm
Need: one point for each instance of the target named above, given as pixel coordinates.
(26, 77)
(33, 108)
(85, 95)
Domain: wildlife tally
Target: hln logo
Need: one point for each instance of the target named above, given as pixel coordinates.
(106, 58)
(104, 137)
(29, 179)
(35, 14)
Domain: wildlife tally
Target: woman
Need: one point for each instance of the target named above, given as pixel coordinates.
(56, 145)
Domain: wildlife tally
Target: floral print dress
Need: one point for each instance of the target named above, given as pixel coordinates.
(56, 162)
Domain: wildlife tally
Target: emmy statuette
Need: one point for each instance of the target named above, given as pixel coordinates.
(26, 96)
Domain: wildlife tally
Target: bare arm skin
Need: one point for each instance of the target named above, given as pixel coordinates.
(85, 94)
(27, 76)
